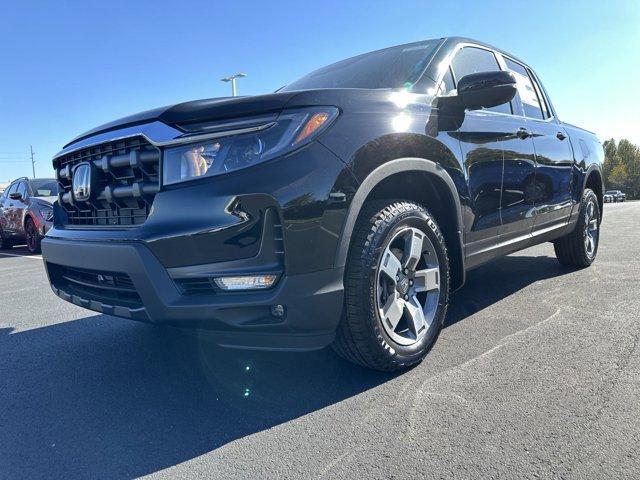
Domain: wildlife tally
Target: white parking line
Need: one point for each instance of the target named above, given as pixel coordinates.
(37, 257)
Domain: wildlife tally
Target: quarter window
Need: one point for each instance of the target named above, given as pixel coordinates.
(447, 83)
(474, 60)
(529, 95)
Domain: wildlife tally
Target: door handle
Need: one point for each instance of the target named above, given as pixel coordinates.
(523, 133)
(561, 136)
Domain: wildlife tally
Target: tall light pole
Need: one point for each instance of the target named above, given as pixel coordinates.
(232, 79)
(33, 162)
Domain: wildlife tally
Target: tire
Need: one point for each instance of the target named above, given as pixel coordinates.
(4, 243)
(371, 332)
(32, 236)
(580, 247)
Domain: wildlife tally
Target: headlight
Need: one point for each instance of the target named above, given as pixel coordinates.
(46, 213)
(240, 144)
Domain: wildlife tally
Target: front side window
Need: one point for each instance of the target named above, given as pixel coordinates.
(529, 97)
(475, 60)
(22, 189)
(391, 68)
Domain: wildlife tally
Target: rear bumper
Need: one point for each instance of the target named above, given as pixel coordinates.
(313, 301)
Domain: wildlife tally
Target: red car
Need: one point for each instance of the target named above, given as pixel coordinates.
(26, 212)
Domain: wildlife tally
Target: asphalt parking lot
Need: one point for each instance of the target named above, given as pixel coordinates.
(537, 374)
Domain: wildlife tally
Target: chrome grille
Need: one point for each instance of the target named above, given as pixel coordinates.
(126, 178)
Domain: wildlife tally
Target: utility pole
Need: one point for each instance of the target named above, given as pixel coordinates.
(33, 162)
(232, 79)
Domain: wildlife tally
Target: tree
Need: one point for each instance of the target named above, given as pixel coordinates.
(622, 166)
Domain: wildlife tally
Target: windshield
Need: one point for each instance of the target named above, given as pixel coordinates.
(395, 67)
(44, 188)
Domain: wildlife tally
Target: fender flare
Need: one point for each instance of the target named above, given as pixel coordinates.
(29, 215)
(590, 169)
(374, 178)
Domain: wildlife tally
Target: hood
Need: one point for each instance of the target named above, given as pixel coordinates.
(213, 109)
(198, 111)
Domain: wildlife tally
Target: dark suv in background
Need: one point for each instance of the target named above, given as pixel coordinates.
(26, 212)
(341, 210)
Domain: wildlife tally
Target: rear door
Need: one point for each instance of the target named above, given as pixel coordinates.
(554, 156)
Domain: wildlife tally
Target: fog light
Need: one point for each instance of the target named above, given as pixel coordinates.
(246, 282)
(277, 310)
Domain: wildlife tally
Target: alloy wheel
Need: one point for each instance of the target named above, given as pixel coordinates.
(591, 232)
(408, 286)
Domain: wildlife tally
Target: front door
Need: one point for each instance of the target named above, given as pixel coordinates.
(19, 208)
(499, 162)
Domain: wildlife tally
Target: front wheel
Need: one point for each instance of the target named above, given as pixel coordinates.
(396, 287)
(579, 248)
(33, 236)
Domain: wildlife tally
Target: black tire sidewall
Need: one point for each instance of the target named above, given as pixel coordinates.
(589, 197)
(30, 224)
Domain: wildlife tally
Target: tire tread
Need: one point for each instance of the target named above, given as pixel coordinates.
(570, 250)
(354, 339)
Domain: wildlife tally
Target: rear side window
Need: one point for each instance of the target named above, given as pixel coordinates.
(533, 105)
(474, 60)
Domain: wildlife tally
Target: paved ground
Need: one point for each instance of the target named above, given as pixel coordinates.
(537, 374)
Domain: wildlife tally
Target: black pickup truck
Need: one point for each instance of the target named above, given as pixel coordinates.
(342, 209)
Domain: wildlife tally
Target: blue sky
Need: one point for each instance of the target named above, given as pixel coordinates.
(69, 66)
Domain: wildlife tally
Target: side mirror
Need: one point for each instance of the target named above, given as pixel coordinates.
(15, 196)
(486, 89)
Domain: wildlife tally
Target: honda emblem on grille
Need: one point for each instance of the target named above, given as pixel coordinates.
(82, 182)
(107, 279)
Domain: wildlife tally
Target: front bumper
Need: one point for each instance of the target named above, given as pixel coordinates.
(313, 301)
(283, 216)
(45, 226)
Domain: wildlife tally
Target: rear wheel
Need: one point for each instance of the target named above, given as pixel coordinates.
(579, 248)
(33, 236)
(396, 287)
